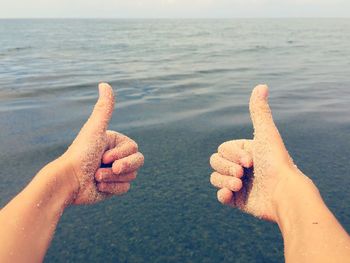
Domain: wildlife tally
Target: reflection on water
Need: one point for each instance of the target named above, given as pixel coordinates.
(183, 88)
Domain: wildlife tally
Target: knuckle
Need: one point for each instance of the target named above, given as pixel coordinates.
(222, 147)
(212, 159)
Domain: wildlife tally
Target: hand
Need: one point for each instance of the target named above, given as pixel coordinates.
(94, 144)
(252, 174)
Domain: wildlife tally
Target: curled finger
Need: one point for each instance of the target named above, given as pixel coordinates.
(224, 166)
(223, 181)
(113, 188)
(235, 151)
(225, 196)
(106, 175)
(128, 164)
(120, 151)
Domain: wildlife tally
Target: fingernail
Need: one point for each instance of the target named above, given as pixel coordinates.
(233, 185)
(102, 89)
(262, 91)
(245, 161)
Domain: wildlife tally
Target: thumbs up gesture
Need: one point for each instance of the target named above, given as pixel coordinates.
(253, 174)
(95, 145)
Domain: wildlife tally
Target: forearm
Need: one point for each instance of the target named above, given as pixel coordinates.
(310, 231)
(28, 222)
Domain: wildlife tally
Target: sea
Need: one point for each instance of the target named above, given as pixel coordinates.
(183, 88)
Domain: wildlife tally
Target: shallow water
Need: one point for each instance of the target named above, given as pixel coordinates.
(183, 88)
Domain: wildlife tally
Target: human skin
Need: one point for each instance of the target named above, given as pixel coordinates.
(259, 177)
(28, 222)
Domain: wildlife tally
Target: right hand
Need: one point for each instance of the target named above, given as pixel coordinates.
(259, 188)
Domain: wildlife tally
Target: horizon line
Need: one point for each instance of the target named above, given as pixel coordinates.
(185, 18)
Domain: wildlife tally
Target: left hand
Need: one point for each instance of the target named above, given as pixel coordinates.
(93, 145)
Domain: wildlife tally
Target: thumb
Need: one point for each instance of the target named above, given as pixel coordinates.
(260, 112)
(103, 110)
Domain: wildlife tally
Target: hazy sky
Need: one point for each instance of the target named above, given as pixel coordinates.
(174, 8)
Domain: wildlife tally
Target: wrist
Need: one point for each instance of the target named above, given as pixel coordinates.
(60, 179)
(295, 196)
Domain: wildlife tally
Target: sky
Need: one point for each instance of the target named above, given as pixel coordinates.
(172, 8)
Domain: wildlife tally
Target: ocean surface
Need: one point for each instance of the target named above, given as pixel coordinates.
(183, 88)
